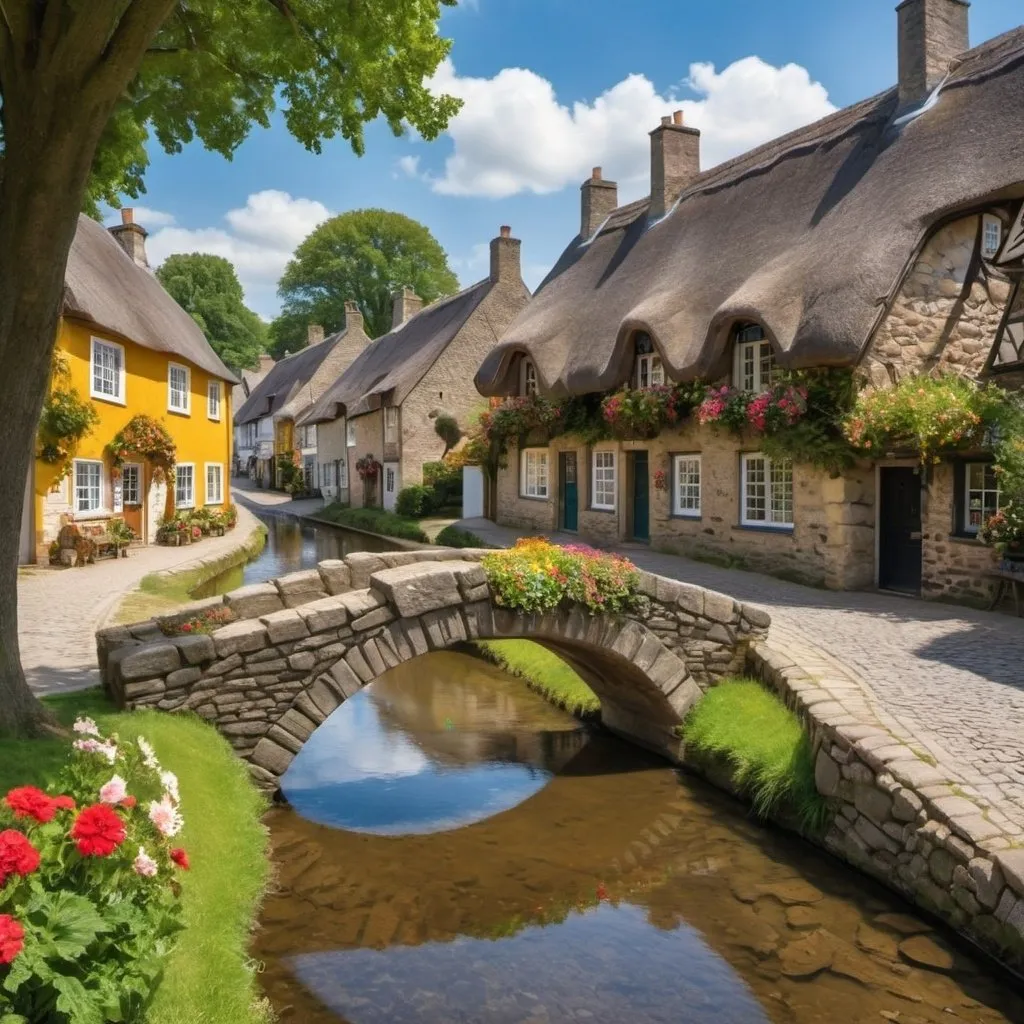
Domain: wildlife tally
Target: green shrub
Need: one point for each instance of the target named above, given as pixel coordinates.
(447, 428)
(446, 479)
(535, 576)
(764, 743)
(416, 501)
(375, 520)
(455, 537)
(544, 672)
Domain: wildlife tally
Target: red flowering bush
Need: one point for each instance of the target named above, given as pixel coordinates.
(779, 407)
(207, 621)
(643, 412)
(89, 898)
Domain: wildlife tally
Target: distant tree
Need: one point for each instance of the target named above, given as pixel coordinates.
(364, 255)
(85, 83)
(208, 289)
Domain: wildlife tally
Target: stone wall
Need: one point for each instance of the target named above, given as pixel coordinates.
(298, 646)
(900, 819)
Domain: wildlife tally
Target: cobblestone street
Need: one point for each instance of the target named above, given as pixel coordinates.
(947, 680)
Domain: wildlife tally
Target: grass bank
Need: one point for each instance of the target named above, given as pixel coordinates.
(763, 744)
(544, 672)
(159, 593)
(208, 978)
(373, 520)
(456, 537)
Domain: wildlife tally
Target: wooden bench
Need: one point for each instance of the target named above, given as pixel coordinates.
(1007, 581)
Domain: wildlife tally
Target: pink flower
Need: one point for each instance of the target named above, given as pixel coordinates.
(144, 864)
(114, 791)
(86, 726)
(91, 746)
(165, 816)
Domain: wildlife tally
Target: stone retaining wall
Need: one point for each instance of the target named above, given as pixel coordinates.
(901, 820)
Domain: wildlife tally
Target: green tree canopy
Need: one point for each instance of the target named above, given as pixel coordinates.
(86, 84)
(365, 256)
(208, 289)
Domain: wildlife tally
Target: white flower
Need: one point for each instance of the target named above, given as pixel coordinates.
(86, 725)
(108, 750)
(91, 746)
(148, 755)
(144, 864)
(165, 816)
(114, 791)
(170, 781)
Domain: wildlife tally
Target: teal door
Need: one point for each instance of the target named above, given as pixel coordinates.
(641, 497)
(570, 494)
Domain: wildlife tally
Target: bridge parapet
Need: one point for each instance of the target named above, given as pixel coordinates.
(298, 646)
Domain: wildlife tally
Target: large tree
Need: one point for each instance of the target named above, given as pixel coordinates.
(208, 289)
(83, 83)
(362, 255)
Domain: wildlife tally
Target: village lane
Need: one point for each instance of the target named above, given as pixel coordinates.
(945, 679)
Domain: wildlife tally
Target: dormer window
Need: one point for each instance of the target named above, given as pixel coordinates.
(754, 360)
(527, 377)
(648, 367)
(991, 236)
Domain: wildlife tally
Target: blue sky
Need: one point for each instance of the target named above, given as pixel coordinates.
(551, 88)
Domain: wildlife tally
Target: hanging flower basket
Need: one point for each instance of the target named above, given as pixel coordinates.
(142, 436)
(368, 467)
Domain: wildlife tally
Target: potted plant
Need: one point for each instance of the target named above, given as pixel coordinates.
(121, 534)
(1005, 531)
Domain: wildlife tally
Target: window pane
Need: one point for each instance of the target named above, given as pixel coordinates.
(755, 507)
(178, 380)
(184, 483)
(106, 369)
(982, 496)
(657, 370)
(604, 479)
(130, 485)
(781, 475)
(213, 399)
(687, 485)
(88, 484)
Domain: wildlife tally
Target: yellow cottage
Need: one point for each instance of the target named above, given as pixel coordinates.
(131, 349)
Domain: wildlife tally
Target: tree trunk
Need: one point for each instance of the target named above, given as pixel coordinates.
(54, 110)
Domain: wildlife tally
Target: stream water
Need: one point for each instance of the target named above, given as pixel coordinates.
(455, 850)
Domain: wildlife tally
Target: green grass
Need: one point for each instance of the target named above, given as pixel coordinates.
(374, 520)
(456, 537)
(209, 979)
(544, 672)
(764, 743)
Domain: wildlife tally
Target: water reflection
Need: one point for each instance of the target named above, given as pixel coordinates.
(292, 544)
(434, 744)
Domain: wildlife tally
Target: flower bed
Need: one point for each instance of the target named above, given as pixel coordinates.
(536, 576)
(89, 906)
(207, 621)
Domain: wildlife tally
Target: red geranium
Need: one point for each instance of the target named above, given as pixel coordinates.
(180, 857)
(98, 831)
(17, 855)
(63, 803)
(129, 801)
(12, 938)
(29, 802)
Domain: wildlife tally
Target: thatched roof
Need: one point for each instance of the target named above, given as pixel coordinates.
(105, 287)
(298, 380)
(390, 367)
(808, 235)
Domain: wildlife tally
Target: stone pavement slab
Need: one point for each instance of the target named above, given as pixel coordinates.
(59, 610)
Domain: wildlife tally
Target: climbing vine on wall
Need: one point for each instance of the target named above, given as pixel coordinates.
(147, 438)
(65, 420)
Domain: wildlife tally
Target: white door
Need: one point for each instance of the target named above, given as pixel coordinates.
(390, 485)
(472, 492)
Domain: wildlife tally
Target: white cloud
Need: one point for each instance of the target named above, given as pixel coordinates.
(259, 239)
(513, 135)
(409, 166)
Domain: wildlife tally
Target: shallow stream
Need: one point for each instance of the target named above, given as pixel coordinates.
(458, 851)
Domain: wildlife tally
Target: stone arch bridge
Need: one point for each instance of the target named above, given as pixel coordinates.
(298, 646)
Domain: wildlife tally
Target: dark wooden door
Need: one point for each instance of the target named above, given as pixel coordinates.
(641, 497)
(570, 494)
(899, 538)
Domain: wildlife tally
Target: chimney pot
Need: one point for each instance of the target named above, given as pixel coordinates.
(595, 174)
(405, 304)
(505, 231)
(666, 120)
(677, 117)
(675, 163)
(597, 200)
(127, 215)
(931, 33)
(131, 237)
(505, 256)
(353, 316)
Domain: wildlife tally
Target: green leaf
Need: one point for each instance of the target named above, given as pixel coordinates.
(70, 923)
(76, 1002)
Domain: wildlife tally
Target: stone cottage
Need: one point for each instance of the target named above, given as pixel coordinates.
(886, 238)
(384, 405)
(268, 418)
(245, 437)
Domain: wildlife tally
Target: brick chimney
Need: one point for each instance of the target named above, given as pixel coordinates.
(353, 317)
(314, 334)
(131, 237)
(405, 304)
(675, 162)
(931, 34)
(597, 199)
(505, 256)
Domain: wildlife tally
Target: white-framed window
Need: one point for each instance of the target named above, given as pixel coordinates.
(185, 485)
(686, 476)
(179, 387)
(350, 434)
(981, 495)
(213, 399)
(754, 365)
(391, 424)
(131, 489)
(766, 492)
(88, 485)
(527, 377)
(214, 483)
(342, 466)
(106, 379)
(991, 235)
(649, 370)
(533, 473)
(604, 480)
